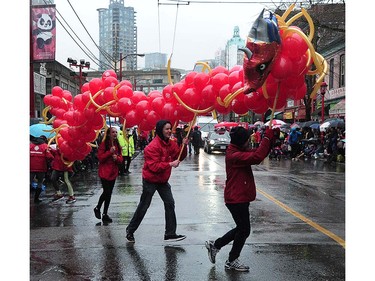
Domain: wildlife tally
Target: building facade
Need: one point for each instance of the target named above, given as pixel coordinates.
(117, 37)
(155, 60)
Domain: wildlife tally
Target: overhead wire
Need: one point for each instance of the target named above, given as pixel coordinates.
(109, 58)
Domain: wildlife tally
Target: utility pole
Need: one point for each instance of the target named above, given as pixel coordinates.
(82, 64)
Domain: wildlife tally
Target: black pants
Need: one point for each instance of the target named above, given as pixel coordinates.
(241, 216)
(106, 195)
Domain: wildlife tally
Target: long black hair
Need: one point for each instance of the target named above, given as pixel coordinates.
(108, 142)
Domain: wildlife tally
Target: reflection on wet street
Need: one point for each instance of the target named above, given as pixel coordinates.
(67, 242)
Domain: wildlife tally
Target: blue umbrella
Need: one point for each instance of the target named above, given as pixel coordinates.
(315, 126)
(39, 129)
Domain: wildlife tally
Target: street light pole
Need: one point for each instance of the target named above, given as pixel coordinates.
(82, 64)
(323, 89)
(122, 58)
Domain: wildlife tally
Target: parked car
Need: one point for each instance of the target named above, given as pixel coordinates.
(216, 141)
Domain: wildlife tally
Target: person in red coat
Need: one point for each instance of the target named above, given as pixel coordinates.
(160, 156)
(39, 157)
(110, 157)
(239, 191)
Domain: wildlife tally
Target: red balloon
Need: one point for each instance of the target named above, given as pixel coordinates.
(219, 69)
(184, 114)
(138, 96)
(281, 100)
(124, 92)
(58, 122)
(222, 109)
(236, 68)
(85, 87)
(110, 82)
(67, 95)
(209, 95)
(95, 85)
(57, 91)
(238, 105)
(109, 73)
(167, 92)
(157, 105)
(142, 108)
(124, 105)
(254, 100)
(282, 67)
(234, 78)
(201, 80)
(237, 86)
(224, 91)
(151, 119)
(263, 107)
(219, 80)
(298, 66)
(189, 78)
(64, 132)
(169, 111)
(131, 119)
(179, 88)
(300, 92)
(154, 94)
(47, 99)
(191, 98)
(295, 46)
(108, 94)
(78, 102)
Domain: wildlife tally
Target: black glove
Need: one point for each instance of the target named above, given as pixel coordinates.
(269, 134)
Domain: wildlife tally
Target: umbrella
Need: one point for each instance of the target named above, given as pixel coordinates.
(295, 125)
(226, 124)
(308, 124)
(315, 126)
(40, 129)
(333, 123)
(259, 123)
(275, 123)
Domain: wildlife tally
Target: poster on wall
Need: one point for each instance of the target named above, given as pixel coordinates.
(43, 33)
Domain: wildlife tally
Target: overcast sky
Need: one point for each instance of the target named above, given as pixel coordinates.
(201, 29)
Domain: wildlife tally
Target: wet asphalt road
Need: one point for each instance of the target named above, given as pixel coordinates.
(298, 226)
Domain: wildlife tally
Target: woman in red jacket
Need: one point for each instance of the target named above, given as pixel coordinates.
(160, 155)
(239, 192)
(110, 157)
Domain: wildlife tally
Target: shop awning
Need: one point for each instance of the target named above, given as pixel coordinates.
(338, 108)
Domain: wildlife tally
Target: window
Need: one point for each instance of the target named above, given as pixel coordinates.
(331, 72)
(342, 71)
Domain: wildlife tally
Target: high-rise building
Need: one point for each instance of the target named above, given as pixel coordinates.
(117, 36)
(233, 56)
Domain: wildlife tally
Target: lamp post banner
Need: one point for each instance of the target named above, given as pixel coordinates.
(43, 32)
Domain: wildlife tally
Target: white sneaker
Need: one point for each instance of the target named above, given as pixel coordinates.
(236, 265)
(212, 251)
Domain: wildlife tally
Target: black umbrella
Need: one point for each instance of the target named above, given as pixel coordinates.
(308, 124)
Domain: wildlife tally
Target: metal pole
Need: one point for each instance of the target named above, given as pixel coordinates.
(120, 76)
(322, 108)
(80, 79)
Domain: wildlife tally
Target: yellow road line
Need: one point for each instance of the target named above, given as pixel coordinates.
(303, 218)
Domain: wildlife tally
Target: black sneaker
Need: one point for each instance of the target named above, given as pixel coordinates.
(106, 218)
(97, 213)
(174, 237)
(37, 201)
(130, 237)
